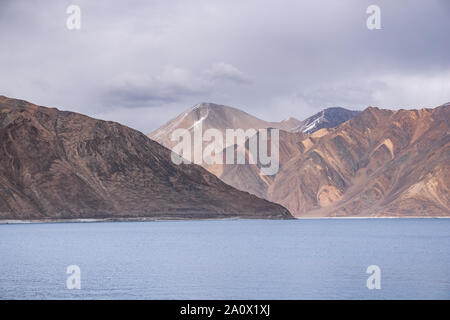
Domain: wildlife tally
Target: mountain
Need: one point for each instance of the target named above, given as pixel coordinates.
(64, 165)
(327, 118)
(378, 163)
(216, 116)
(248, 177)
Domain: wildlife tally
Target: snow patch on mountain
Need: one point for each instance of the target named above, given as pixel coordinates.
(203, 118)
(312, 125)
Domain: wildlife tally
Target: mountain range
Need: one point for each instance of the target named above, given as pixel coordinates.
(215, 116)
(341, 162)
(338, 163)
(220, 117)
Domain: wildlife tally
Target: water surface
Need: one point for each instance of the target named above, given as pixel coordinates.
(239, 259)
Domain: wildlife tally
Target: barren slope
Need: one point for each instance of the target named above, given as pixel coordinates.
(57, 164)
(380, 163)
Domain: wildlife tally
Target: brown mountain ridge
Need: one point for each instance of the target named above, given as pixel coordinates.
(64, 165)
(378, 163)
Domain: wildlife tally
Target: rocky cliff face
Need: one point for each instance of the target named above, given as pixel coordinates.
(57, 164)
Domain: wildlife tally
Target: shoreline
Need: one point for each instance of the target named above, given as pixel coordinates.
(369, 217)
(93, 220)
(36, 221)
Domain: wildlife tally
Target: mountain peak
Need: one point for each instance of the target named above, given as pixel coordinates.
(336, 109)
(326, 118)
(211, 115)
(205, 105)
(290, 119)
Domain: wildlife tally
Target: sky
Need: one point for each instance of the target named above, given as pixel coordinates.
(143, 62)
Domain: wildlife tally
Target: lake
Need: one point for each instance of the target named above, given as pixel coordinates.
(229, 259)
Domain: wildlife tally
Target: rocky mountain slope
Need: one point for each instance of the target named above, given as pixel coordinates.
(248, 177)
(60, 165)
(378, 163)
(216, 116)
(221, 117)
(327, 118)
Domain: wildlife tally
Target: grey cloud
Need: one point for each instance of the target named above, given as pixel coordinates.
(142, 62)
(346, 94)
(224, 71)
(170, 85)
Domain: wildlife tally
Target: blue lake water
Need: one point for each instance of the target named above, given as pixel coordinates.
(238, 259)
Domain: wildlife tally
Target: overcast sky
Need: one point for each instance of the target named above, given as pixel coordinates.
(143, 62)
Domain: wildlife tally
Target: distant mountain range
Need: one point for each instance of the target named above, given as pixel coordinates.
(64, 165)
(224, 117)
(341, 162)
(217, 117)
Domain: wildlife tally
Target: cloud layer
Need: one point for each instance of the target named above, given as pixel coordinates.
(143, 62)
